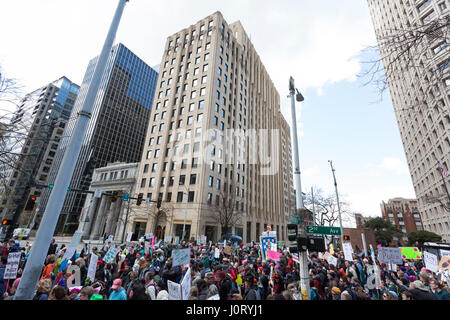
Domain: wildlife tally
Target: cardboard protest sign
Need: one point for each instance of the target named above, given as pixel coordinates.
(110, 255)
(431, 261)
(174, 290)
(411, 253)
(390, 255)
(186, 285)
(92, 267)
(181, 256)
(73, 245)
(12, 266)
(273, 255)
(348, 251)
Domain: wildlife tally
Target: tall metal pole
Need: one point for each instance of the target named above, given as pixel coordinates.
(303, 259)
(314, 208)
(47, 226)
(338, 205)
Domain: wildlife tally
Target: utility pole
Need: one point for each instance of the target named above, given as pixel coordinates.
(303, 259)
(47, 226)
(338, 205)
(314, 209)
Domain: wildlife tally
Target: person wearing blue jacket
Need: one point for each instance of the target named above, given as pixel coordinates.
(118, 292)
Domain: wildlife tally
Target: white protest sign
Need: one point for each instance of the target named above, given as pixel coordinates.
(444, 253)
(332, 260)
(148, 236)
(181, 256)
(12, 266)
(215, 297)
(217, 253)
(129, 235)
(348, 251)
(73, 245)
(431, 261)
(272, 234)
(186, 285)
(75, 271)
(390, 255)
(110, 238)
(146, 247)
(377, 273)
(168, 239)
(92, 267)
(203, 239)
(110, 255)
(273, 247)
(174, 290)
(177, 240)
(326, 255)
(320, 255)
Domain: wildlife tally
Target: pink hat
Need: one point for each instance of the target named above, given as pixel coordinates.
(116, 284)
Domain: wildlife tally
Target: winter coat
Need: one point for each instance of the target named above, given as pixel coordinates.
(443, 295)
(422, 295)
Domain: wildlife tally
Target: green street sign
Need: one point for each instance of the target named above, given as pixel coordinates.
(125, 197)
(50, 186)
(331, 231)
(296, 220)
(68, 189)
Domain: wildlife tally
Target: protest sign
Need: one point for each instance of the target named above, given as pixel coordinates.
(326, 255)
(174, 290)
(153, 241)
(332, 260)
(177, 240)
(110, 255)
(12, 266)
(273, 255)
(431, 261)
(411, 253)
(444, 253)
(92, 267)
(73, 245)
(444, 264)
(273, 246)
(321, 255)
(186, 285)
(110, 239)
(129, 235)
(390, 255)
(167, 239)
(348, 251)
(331, 248)
(148, 236)
(214, 297)
(295, 258)
(216, 253)
(146, 248)
(227, 250)
(75, 279)
(181, 256)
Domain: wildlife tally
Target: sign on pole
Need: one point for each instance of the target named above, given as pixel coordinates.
(331, 231)
(181, 256)
(12, 266)
(348, 251)
(186, 285)
(431, 261)
(73, 245)
(92, 267)
(390, 255)
(174, 290)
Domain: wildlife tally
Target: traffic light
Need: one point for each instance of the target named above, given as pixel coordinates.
(316, 244)
(302, 243)
(6, 222)
(292, 230)
(158, 205)
(30, 203)
(347, 238)
(139, 199)
(114, 196)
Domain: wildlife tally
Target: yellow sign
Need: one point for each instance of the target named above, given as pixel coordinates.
(331, 249)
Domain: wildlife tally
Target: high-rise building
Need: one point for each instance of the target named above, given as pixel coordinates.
(29, 144)
(217, 152)
(419, 85)
(116, 131)
(404, 214)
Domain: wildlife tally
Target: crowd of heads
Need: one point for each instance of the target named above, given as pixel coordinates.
(239, 272)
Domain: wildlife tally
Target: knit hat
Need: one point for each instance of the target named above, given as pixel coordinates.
(419, 285)
(96, 297)
(336, 290)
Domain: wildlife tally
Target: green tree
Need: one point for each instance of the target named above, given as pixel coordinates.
(384, 230)
(422, 236)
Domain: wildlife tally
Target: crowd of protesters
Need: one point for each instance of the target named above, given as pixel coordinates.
(136, 274)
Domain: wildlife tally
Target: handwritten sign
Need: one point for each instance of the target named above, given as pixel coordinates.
(348, 251)
(186, 285)
(273, 255)
(92, 267)
(431, 261)
(332, 260)
(167, 239)
(181, 256)
(174, 290)
(110, 255)
(390, 255)
(411, 253)
(12, 266)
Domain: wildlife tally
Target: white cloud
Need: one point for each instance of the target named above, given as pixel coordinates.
(388, 164)
(311, 172)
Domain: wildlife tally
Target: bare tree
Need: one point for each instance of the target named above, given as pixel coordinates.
(405, 53)
(227, 212)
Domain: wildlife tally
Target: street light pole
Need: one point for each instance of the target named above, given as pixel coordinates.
(303, 260)
(47, 226)
(338, 205)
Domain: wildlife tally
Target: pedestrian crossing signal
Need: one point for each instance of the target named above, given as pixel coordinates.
(30, 203)
(347, 238)
(6, 222)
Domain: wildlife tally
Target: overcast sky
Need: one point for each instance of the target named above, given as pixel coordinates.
(316, 42)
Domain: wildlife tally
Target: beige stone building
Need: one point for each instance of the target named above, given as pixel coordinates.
(216, 133)
(419, 87)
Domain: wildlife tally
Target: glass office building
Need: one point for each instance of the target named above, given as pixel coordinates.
(117, 129)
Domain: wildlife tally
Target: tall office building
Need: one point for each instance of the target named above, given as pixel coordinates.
(419, 88)
(218, 142)
(116, 131)
(29, 144)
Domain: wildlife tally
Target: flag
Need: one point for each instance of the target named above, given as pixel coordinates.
(442, 169)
